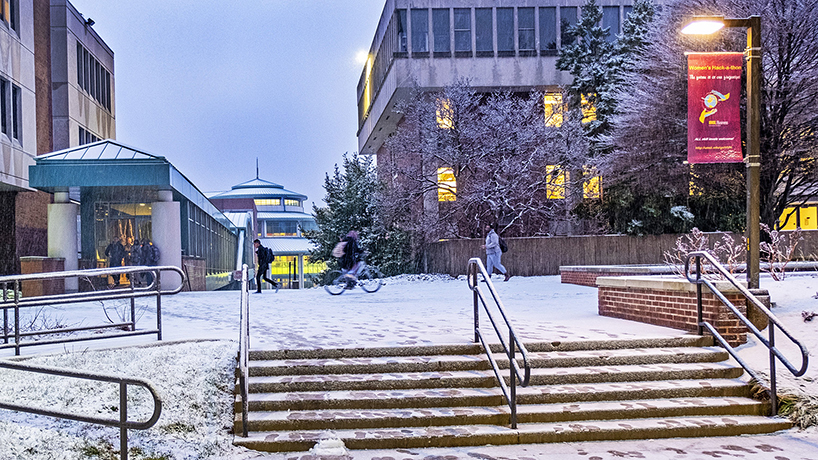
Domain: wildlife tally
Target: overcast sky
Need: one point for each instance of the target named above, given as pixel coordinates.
(211, 85)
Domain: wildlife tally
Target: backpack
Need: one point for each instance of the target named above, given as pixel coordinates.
(270, 256)
(503, 245)
(154, 255)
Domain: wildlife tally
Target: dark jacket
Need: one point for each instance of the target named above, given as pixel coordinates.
(352, 253)
(115, 253)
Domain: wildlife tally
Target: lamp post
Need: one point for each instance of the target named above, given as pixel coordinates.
(711, 24)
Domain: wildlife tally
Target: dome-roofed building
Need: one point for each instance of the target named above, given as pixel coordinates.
(278, 220)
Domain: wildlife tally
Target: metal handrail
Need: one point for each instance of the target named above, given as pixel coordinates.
(15, 302)
(773, 322)
(123, 423)
(475, 266)
(244, 349)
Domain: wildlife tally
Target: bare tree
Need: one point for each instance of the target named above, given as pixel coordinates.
(649, 136)
(507, 164)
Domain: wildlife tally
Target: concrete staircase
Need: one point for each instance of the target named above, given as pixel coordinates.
(385, 398)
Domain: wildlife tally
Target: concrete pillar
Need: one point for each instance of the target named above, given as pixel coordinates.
(167, 236)
(62, 235)
(300, 271)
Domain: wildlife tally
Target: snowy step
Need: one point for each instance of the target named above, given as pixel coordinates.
(481, 379)
(480, 362)
(500, 415)
(475, 349)
(452, 397)
(467, 435)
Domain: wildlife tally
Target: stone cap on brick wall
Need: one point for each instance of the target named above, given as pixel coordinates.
(647, 269)
(662, 283)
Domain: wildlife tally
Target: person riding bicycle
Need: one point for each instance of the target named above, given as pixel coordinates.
(351, 259)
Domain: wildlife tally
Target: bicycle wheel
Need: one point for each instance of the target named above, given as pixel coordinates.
(338, 283)
(370, 279)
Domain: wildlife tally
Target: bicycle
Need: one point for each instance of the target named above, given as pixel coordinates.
(369, 278)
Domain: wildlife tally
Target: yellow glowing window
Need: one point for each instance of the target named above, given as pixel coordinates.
(804, 217)
(588, 110)
(552, 103)
(289, 202)
(444, 114)
(592, 186)
(556, 179)
(446, 185)
(694, 188)
(268, 202)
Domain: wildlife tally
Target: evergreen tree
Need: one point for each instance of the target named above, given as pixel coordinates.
(352, 205)
(587, 59)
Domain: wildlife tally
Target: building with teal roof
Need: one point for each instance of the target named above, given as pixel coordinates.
(279, 221)
(108, 191)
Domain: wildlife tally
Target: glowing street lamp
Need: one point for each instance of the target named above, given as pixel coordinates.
(704, 25)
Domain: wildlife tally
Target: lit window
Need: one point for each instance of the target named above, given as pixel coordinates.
(552, 103)
(588, 110)
(268, 202)
(446, 185)
(556, 179)
(694, 189)
(592, 185)
(444, 114)
(804, 217)
(290, 202)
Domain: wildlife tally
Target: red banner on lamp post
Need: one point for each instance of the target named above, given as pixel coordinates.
(713, 116)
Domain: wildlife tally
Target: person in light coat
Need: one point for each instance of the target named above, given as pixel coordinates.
(493, 252)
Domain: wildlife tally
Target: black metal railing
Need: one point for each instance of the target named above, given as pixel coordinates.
(122, 423)
(510, 346)
(11, 300)
(773, 322)
(244, 349)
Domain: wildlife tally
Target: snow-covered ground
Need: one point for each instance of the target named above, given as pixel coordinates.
(193, 367)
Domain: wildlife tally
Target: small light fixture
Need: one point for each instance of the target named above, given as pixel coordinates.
(704, 25)
(141, 204)
(89, 22)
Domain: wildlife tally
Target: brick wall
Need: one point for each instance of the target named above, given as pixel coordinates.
(670, 303)
(584, 278)
(194, 268)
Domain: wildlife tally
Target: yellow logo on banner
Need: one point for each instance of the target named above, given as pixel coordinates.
(711, 100)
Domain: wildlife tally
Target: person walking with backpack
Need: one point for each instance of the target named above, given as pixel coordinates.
(265, 256)
(493, 251)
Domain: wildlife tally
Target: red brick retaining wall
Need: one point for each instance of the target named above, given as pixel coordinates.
(585, 278)
(670, 303)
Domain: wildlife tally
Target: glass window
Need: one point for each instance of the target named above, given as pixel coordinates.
(267, 201)
(462, 29)
(400, 18)
(4, 111)
(556, 178)
(592, 184)
(446, 185)
(483, 27)
(552, 105)
(290, 202)
(80, 67)
(525, 28)
(628, 10)
(440, 27)
(16, 115)
(13, 15)
(281, 228)
(505, 30)
(548, 28)
(568, 17)
(444, 114)
(610, 21)
(420, 30)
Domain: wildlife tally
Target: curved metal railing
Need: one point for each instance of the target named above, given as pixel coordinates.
(773, 322)
(244, 349)
(10, 299)
(509, 347)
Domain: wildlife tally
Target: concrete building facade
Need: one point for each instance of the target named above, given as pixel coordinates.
(429, 44)
(45, 104)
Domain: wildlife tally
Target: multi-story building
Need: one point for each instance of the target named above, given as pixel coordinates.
(56, 91)
(429, 44)
(504, 46)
